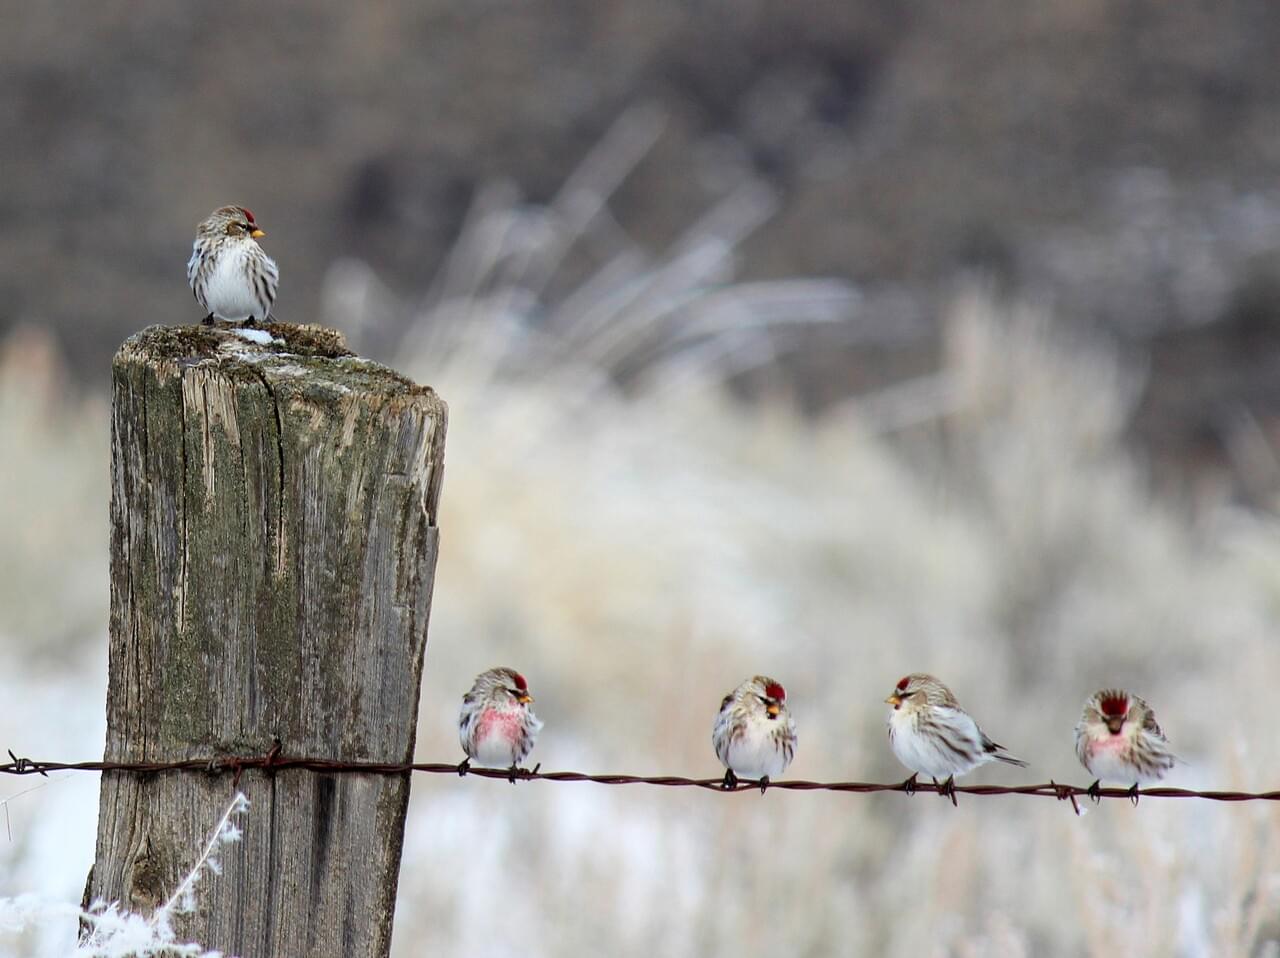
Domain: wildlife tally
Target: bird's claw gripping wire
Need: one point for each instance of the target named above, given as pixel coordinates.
(730, 780)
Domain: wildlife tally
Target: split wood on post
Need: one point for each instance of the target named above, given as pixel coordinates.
(273, 547)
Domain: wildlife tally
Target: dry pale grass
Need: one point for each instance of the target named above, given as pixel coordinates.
(637, 551)
(639, 559)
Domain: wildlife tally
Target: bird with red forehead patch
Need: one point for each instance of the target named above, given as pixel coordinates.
(232, 278)
(754, 734)
(932, 735)
(1119, 740)
(496, 726)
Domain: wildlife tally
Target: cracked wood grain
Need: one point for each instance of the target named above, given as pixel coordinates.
(273, 547)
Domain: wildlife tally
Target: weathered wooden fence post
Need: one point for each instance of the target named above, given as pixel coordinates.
(273, 545)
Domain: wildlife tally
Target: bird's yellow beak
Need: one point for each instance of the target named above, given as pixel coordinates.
(255, 233)
(773, 709)
(524, 698)
(894, 699)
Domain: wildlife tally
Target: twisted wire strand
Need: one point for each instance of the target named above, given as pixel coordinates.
(275, 761)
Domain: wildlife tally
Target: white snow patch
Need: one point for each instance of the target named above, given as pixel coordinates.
(259, 336)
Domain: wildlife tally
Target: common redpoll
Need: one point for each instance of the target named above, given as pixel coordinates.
(1118, 739)
(754, 735)
(932, 735)
(496, 726)
(228, 271)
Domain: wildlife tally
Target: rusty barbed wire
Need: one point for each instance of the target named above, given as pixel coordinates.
(276, 761)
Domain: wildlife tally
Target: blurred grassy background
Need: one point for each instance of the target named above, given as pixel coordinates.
(827, 343)
(1115, 158)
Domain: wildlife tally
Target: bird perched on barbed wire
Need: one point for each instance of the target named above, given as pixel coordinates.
(231, 275)
(496, 726)
(754, 735)
(932, 735)
(1118, 739)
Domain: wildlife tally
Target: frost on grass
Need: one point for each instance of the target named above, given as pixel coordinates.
(110, 932)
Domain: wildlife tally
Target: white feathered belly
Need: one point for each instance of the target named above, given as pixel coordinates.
(230, 294)
(926, 754)
(756, 753)
(1108, 761)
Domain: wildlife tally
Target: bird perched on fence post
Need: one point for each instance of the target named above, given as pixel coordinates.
(230, 274)
(496, 726)
(754, 735)
(1118, 739)
(932, 735)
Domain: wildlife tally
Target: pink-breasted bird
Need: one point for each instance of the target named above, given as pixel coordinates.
(496, 727)
(1119, 740)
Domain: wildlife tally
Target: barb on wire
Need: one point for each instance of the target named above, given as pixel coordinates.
(276, 761)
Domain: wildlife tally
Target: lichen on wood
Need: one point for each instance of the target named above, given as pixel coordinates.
(273, 547)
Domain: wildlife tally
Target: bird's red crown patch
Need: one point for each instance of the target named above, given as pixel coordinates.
(1113, 704)
(521, 684)
(903, 683)
(775, 691)
(248, 213)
